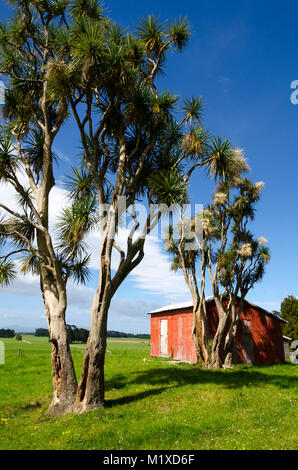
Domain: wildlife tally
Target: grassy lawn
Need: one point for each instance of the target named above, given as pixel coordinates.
(151, 404)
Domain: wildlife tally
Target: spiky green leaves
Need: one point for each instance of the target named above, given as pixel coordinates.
(163, 106)
(87, 37)
(74, 224)
(210, 224)
(7, 273)
(192, 109)
(20, 101)
(264, 254)
(158, 37)
(87, 9)
(30, 263)
(196, 142)
(179, 32)
(57, 8)
(241, 259)
(219, 158)
(21, 231)
(168, 187)
(138, 105)
(8, 157)
(80, 185)
(150, 31)
(223, 162)
(34, 152)
(60, 79)
(79, 270)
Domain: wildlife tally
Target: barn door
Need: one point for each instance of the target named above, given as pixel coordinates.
(164, 338)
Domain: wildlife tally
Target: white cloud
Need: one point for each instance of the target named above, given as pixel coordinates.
(27, 286)
(80, 296)
(153, 278)
(130, 316)
(154, 274)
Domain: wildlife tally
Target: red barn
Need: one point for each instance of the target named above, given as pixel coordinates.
(259, 337)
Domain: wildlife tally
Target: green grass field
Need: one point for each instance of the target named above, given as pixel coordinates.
(150, 404)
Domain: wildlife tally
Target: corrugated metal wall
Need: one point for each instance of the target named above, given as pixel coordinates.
(180, 343)
(259, 338)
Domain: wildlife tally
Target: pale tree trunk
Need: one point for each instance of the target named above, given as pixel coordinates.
(219, 338)
(205, 333)
(54, 294)
(197, 334)
(230, 337)
(64, 382)
(200, 330)
(91, 389)
(63, 373)
(206, 337)
(201, 335)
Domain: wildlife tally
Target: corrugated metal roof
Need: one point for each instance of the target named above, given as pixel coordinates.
(189, 304)
(177, 306)
(173, 307)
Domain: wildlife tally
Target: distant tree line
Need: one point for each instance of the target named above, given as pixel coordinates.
(81, 334)
(6, 333)
(41, 332)
(119, 334)
(76, 334)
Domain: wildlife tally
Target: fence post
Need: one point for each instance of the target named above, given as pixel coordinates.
(2, 353)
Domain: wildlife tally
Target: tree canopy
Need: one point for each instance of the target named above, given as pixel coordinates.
(289, 311)
(224, 248)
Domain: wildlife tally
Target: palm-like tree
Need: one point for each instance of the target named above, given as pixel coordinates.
(133, 148)
(231, 255)
(239, 264)
(31, 43)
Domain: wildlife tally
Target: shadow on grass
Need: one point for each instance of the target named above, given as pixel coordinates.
(138, 396)
(167, 377)
(31, 405)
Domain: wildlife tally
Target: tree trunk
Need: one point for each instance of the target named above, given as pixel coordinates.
(219, 338)
(64, 381)
(54, 289)
(63, 373)
(231, 334)
(91, 389)
(201, 334)
(216, 357)
(197, 336)
(205, 333)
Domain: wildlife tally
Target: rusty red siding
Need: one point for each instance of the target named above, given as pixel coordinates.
(259, 336)
(266, 337)
(180, 342)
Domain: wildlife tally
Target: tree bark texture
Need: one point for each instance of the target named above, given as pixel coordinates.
(91, 389)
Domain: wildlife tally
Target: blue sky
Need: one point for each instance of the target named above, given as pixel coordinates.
(242, 59)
